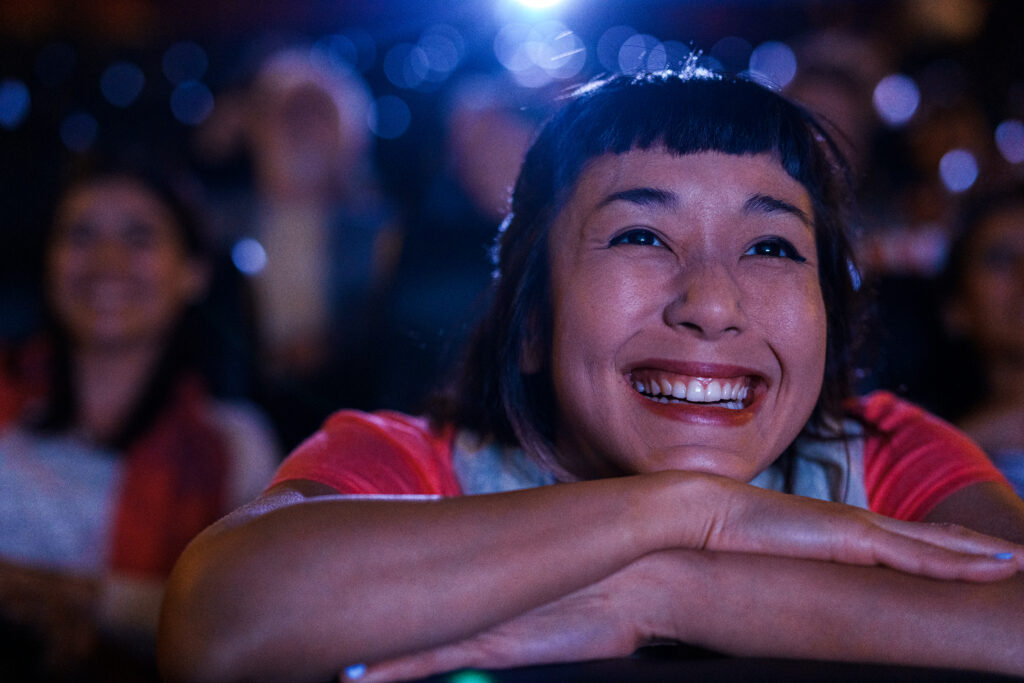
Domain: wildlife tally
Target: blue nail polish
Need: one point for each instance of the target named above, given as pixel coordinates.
(355, 672)
(1003, 556)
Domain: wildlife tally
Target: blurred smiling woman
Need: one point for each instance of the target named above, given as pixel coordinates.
(651, 439)
(122, 456)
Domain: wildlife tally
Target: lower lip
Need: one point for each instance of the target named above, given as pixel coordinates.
(703, 414)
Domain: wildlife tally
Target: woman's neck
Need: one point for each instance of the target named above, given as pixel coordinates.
(108, 383)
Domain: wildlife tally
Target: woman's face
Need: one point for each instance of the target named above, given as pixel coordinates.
(118, 273)
(990, 307)
(689, 324)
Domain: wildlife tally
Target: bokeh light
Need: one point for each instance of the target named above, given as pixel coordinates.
(508, 47)
(352, 49)
(78, 131)
(191, 102)
(406, 65)
(122, 83)
(540, 53)
(641, 52)
(1010, 140)
(428, 62)
(558, 50)
(185, 61)
(444, 47)
(15, 102)
(773, 63)
(389, 117)
(249, 256)
(896, 98)
(958, 169)
(609, 44)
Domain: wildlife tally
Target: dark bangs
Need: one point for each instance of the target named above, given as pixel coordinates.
(690, 112)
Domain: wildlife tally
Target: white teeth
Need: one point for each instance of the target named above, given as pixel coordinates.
(728, 394)
(695, 391)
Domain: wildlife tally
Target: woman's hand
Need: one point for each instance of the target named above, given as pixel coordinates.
(610, 618)
(737, 517)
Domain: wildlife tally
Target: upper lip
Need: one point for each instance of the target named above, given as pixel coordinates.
(695, 369)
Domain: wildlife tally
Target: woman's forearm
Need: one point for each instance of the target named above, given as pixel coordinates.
(312, 584)
(327, 582)
(757, 605)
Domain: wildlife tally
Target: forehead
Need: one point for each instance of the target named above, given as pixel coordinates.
(115, 200)
(699, 181)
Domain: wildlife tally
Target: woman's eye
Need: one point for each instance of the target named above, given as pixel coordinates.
(78, 235)
(139, 235)
(776, 247)
(638, 237)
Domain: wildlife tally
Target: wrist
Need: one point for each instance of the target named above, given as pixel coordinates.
(682, 509)
(668, 596)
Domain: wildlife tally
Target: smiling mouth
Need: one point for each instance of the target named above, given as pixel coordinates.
(733, 393)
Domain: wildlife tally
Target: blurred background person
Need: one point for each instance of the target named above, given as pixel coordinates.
(325, 235)
(445, 268)
(114, 454)
(980, 384)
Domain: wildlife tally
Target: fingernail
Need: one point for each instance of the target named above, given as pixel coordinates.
(355, 672)
(1003, 556)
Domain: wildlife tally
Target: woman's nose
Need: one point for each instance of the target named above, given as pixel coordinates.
(109, 255)
(708, 302)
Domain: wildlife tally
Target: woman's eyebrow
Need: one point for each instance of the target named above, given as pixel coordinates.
(767, 204)
(642, 196)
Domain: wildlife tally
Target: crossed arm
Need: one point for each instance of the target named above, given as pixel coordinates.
(301, 584)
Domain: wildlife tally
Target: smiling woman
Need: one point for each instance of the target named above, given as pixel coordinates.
(664, 365)
(119, 271)
(120, 455)
(706, 278)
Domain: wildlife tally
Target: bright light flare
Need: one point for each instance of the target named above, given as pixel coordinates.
(539, 53)
(539, 4)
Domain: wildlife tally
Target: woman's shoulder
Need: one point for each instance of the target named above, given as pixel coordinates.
(883, 409)
(376, 452)
(899, 428)
(386, 423)
(914, 459)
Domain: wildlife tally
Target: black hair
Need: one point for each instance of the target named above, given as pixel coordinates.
(686, 112)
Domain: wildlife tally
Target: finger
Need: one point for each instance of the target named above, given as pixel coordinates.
(410, 667)
(925, 558)
(953, 536)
